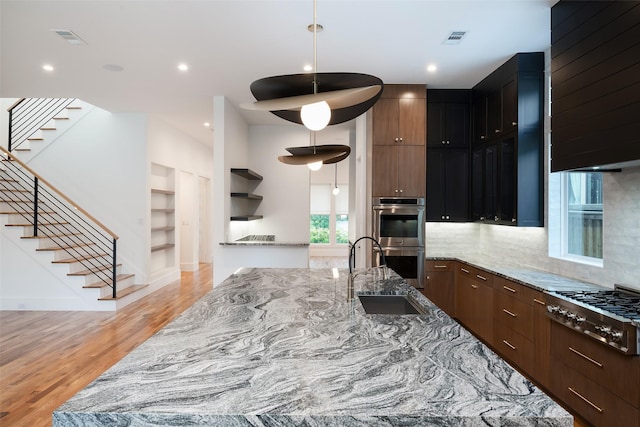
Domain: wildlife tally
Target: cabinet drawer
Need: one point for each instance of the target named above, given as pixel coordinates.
(516, 290)
(474, 273)
(591, 401)
(514, 314)
(614, 371)
(432, 265)
(515, 347)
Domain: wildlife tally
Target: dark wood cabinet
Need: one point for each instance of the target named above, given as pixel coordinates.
(400, 115)
(399, 136)
(598, 383)
(398, 171)
(507, 158)
(474, 301)
(440, 286)
(595, 73)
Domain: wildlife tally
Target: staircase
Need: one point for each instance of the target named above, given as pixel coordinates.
(53, 223)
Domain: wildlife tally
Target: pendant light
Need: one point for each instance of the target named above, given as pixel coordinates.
(310, 97)
(336, 190)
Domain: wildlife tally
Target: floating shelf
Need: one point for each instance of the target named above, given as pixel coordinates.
(247, 174)
(162, 247)
(167, 192)
(167, 228)
(246, 217)
(250, 196)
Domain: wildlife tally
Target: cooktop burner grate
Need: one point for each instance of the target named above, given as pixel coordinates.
(620, 303)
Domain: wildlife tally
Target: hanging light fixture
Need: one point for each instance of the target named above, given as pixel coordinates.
(316, 100)
(336, 190)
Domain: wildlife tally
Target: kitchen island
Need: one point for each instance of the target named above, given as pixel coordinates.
(271, 347)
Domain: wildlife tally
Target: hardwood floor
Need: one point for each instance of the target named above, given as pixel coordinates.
(47, 357)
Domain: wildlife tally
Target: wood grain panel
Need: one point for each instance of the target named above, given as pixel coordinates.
(47, 357)
(596, 84)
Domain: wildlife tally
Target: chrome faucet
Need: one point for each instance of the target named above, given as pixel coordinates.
(352, 264)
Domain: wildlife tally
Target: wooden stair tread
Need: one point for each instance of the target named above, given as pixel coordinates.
(22, 149)
(62, 248)
(82, 258)
(124, 292)
(40, 224)
(92, 270)
(48, 128)
(61, 118)
(50, 237)
(37, 138)
(101, 284)
(73, 107)
(26, 212)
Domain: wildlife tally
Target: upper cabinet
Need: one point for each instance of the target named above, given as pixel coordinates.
(400, 116)
(507, 157)
(399, 136)
(448, 118)
(448, 130)
(595, 77)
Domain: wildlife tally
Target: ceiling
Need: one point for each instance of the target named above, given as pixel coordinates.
(228, 44)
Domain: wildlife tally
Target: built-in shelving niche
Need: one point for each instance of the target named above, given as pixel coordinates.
(245, 202)
(163, 218)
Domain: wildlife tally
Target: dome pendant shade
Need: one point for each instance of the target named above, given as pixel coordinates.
(348, 94)
(327, 154)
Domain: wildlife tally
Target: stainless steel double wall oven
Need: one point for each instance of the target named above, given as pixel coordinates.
(398, 225)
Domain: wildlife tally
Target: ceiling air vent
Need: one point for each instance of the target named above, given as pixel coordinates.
(455, 37)
(69, 36)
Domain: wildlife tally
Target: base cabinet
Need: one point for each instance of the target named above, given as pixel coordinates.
(598, 383)
(439, 285)
(474, 301)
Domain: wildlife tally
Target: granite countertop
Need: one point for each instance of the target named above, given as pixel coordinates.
(261, 240)
(536, 279)
(284, 347)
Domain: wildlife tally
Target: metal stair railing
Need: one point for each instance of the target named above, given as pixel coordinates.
(54, 216)
(28, 115)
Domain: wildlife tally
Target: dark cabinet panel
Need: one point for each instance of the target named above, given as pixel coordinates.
(447, 185)
(595, 71)
(507, 163)
(448, 118)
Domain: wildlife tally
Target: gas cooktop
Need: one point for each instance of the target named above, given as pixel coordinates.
(621, 301)
(611, 317)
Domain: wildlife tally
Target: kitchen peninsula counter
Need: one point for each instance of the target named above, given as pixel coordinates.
(284, 347)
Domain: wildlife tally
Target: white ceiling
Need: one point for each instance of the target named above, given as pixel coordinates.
(230, 43)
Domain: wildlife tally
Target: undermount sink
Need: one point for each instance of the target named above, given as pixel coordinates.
(389, 304)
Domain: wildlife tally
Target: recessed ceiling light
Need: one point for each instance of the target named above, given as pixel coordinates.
(47, 67)
(308, 67)
(431, 68)
(183, 67)
(112, 67)
(207, 124)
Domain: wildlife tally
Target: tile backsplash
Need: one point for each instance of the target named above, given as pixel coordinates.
(528, 246)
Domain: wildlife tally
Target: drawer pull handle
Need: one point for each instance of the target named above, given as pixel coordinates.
(480, 277)
(440, 266)
(539, 302)
(584, 356)
(474, 286)
(508, 344)
(464, 271)
(509, 289)
(509, 313)
(596, 407)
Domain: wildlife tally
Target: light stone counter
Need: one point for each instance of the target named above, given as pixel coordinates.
(284, 347)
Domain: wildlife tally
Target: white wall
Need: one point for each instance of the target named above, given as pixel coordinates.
(192, 161)
(285, 191)
(99, 163)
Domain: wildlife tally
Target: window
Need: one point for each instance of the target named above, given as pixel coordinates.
(582, 214)
(329, 215)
